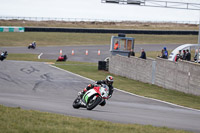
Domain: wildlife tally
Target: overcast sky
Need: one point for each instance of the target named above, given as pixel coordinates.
(94, 9)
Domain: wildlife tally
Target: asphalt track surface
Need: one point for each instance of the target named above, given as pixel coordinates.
(52, 52)
(39, 86)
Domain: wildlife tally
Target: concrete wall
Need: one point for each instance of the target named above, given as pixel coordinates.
(182, 76)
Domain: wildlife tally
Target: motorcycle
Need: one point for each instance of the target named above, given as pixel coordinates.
(31, 46)
(62, 58)
(3, 56)
(92, 97)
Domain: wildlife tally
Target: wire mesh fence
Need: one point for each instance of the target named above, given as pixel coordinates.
(88, 20)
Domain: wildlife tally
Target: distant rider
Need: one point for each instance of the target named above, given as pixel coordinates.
(108, 81)
(34, 44)
(3, 55)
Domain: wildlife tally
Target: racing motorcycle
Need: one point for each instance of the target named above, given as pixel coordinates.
(92, 97)
(31, 46)
(3, 55)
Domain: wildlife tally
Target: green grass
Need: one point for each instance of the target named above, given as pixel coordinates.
(60, 39)
(25, 57)
(16, 120)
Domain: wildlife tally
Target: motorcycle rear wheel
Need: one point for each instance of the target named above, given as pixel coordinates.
(93, 103)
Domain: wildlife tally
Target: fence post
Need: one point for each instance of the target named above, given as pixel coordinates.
(153, 72)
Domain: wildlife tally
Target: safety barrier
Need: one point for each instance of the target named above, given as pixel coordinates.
(86, 30)
(11, 29)
(181, 76)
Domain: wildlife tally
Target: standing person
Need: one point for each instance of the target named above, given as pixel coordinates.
(196, 54)
(116, 46)
(184, 55)
(143, 54)
(188, 55)
(196, 59)
(131, 53)
(178, 56)
(165, 53)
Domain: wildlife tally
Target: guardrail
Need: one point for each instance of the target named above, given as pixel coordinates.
(88, 20)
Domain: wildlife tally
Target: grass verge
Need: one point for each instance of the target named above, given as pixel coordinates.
(60, 39)
(16, 120)
(26, 57)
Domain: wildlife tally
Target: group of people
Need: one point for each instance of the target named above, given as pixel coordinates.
(142, 56)
(183, 55)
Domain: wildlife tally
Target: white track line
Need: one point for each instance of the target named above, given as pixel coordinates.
(129, 92)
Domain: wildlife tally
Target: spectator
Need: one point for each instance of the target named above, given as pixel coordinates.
(131, 53)
(178, 56)
(143, 54)
(184, 55)
(165, 53)
(116, 47)
(162, 54)
(188, 55)
(195, 56)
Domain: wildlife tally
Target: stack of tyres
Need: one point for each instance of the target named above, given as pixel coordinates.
(102, 65)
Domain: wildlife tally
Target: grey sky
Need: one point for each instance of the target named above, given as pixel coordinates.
(94, 9)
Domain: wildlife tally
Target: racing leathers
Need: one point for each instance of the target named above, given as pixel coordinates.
(90, 86)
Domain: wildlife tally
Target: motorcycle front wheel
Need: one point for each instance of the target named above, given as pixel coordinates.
(92, 103)
(76, 103)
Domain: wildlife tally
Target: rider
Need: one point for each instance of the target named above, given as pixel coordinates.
(34, 44)
(108, 81)
(4, 54)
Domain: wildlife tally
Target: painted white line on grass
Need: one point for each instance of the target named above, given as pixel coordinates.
(129, 92)
(40, 55)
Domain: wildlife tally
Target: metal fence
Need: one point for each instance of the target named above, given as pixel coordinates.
(89, 20)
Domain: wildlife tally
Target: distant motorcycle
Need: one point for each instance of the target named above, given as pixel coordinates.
(31, 46)
(62, 58)
(92, 97)
(3, 55)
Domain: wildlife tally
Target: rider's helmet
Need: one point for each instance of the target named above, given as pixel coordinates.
(109, 80)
